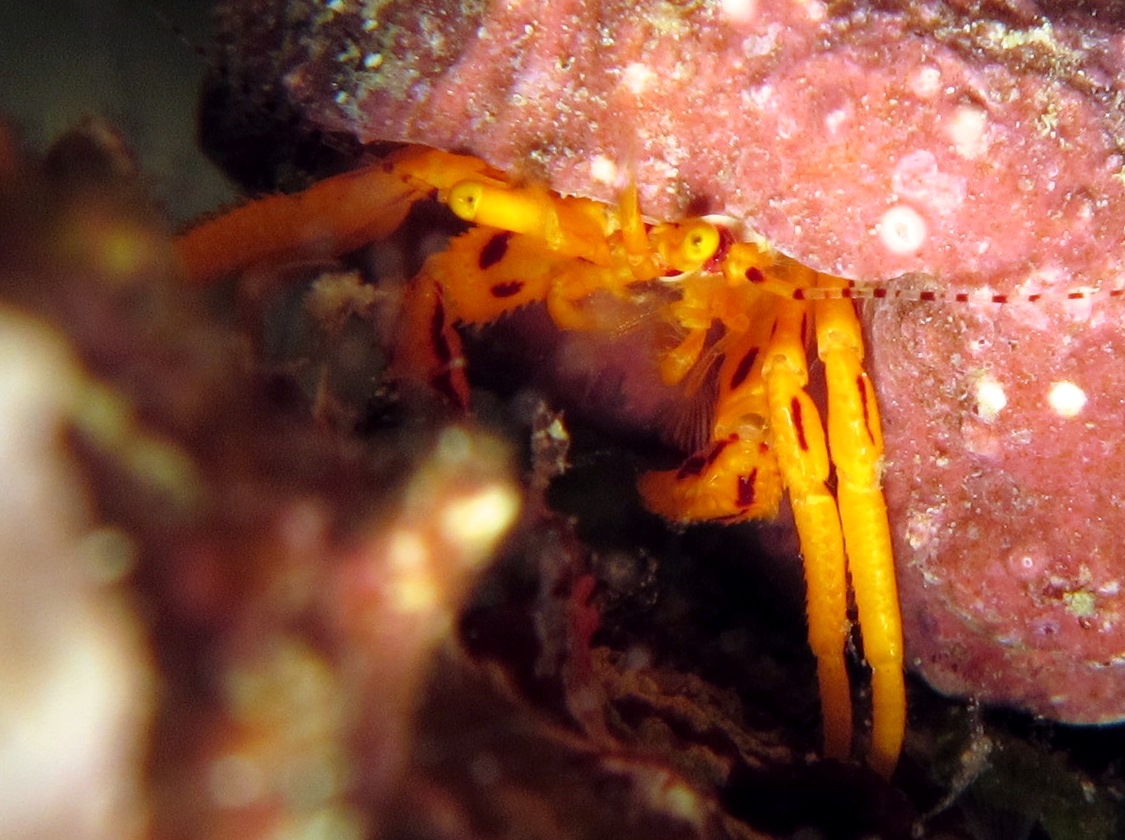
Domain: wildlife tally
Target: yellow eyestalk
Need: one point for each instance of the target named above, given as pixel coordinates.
(566, 226)
(507, 209)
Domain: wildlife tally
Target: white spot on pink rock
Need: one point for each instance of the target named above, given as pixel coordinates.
(603, 170)
(1028, 562)
(1066, 399)
(637, 78)
(917, 177)
(968, 131)
(925, 82)
(739, 11)
(991, 398)
(902, 230)
(836, 120)
(921, 528)
(815, 9)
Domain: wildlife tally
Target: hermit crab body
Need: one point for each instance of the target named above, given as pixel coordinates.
(743, 315)
(976, 147)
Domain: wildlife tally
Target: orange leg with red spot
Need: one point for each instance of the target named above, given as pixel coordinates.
(763, 410)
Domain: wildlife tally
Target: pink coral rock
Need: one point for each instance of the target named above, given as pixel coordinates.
(1004, 475)
(971, 145)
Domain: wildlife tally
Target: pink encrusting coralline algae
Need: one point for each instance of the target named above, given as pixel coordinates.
(971, 146)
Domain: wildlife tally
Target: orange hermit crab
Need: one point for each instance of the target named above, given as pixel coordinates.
(765, 433)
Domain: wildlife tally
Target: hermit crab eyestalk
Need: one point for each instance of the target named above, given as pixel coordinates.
(518, 210)
(571, 227)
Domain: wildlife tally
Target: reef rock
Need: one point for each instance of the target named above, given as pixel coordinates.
(1003, 474)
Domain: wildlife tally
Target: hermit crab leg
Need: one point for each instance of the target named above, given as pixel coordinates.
(802, 455)
(856, 439)
(333, 216)
(735, 477)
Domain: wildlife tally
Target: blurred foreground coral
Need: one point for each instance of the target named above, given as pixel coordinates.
(229, 613)
(189, 557)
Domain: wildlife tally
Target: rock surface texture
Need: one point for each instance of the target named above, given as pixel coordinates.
(972, 146)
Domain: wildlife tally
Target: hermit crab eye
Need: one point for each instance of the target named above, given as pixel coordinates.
(688, 245)
(701, 241)
(465, 198)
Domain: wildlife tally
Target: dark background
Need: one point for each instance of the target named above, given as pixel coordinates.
(138, 62)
